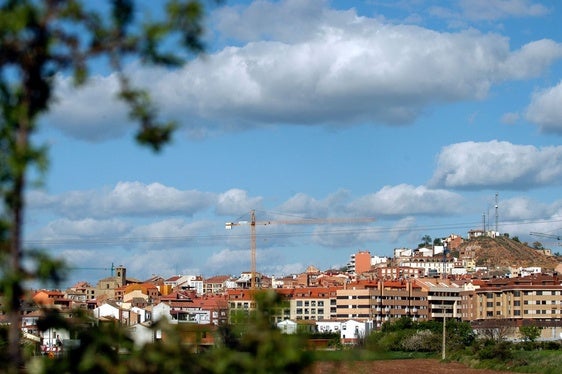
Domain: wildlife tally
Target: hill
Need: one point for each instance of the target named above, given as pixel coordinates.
(505, 252)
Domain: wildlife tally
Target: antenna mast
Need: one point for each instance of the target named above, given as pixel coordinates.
(497, 212)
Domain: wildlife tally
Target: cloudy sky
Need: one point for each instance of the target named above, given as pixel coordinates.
(416, 113)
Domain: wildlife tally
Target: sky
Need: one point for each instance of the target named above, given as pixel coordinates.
(418, 115)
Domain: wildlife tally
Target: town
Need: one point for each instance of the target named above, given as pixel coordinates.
(426, 283)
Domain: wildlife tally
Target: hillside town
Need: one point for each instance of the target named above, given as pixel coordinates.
(432, 282)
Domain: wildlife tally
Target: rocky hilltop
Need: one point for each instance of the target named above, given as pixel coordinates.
(502, 252)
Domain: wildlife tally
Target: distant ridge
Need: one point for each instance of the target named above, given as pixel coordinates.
(503, 252)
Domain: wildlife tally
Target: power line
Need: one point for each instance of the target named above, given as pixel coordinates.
(269, 232)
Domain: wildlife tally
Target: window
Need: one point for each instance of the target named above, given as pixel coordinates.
(299, 302)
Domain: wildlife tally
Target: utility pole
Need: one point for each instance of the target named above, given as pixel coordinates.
(444, 333)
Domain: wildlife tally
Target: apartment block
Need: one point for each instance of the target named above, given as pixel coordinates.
(354, 303)
(396, 299)
(537, 298)
(312, 303)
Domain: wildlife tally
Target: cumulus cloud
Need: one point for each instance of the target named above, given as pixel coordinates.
(227, 259)
(125, 199)
(338, 69)
(346, 236)
(497, 164)
(405, 199)
(177, 233)
(523, 208)
(304, 204)
(236, 201)
(89, 113)
(545, 109)
(65, 229)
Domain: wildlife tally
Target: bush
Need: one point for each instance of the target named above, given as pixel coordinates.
(422, 341)
(501, 351)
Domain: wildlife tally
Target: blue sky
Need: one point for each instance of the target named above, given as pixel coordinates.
(415, 113)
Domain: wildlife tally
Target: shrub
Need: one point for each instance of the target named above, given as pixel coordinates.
(421, 341)
(500, 351)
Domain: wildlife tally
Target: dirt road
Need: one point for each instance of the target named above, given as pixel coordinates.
(414, 366)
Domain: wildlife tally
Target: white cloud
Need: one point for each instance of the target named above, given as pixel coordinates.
(345, 236)
(402, 227)
(224, 261)
(522, 208)
(545, 109)
(125, 199)
(510, 118)
(497, 164)
(90, 113)
(405, 199)
(65, 229)
(304, 204)
(338, 69)
(236, 201)
(284, 269)
(531, 60)
(175, 233)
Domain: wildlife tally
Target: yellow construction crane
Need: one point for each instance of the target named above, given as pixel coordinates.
(253, 223)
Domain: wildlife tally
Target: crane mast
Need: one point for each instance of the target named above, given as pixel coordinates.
(253, 223)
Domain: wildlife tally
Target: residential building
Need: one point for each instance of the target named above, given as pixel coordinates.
(443, 296)
(311, 303)
(355, 302)
(216, 284)
(395, 299)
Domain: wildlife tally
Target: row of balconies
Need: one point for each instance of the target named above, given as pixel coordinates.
(387, 318)
(388, 309)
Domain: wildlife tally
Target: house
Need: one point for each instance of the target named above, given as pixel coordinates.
(329, 326)
(287, 327)
(216, 284)
(352, 331)
(146, 291)
(192, 314)
(80, 293)
(186, 283)
(142, 333)
(51, 299)
(111, 311)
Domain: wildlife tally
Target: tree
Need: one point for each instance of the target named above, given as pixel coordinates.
(530, 333)
(40, 39)
(426, 241)
(538, 245)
